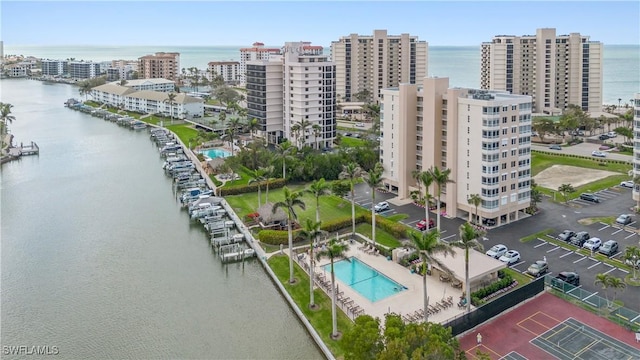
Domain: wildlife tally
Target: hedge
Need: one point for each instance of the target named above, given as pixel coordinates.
(477, 297)
(623, 162)
(253, 187)
(394, 228)
(277, 237)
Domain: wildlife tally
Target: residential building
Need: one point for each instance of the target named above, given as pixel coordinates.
(147, 101)
(229, 70)
(483, 137)
(83, 69)
(54, 67)
(256, 52)
(555, 70)
(264, 97)
(374, 62)
(161, 65)
(162, 85)
(16, 70)
(636, 143)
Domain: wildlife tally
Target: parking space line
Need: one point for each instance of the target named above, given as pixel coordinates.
(448, 237)
(577, 261)
(365, 204)
(554, 249)
(594, 265)
(542, 244)
(516, 264)
(632, 234)
(631, 223)
(615, 232)
(411, 223)
(602, 228)
(623, 270)
(568, 253)
(609, 265)
(608, 271)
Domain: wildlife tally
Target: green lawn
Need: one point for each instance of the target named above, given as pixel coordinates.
(319, 319)
(541, 161)
(347, 141)
(244, 178)
(382, 237)
(184, 131)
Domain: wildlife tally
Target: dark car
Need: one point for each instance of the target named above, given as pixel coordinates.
(610, 247)
(489, 222)
(555, 147)
(580, 238)
(566, 277)
(589, 197)
(603, 137)
(566, 235)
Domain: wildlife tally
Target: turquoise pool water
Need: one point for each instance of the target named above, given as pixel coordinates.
(215, 153)
(362, 278)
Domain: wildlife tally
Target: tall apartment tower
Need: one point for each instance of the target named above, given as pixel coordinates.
(555, 70)
(484, 137)
(264, 97)
(378, 61)
(636, 143)
(257, 52)
(161, 65)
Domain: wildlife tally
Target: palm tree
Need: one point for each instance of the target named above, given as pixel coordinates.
(428, 244)
(426, 178)
(222, 117)
(632, 255)
(604, 280)
(231, 132)
(301, 130)
(171, 98)
(333, 251)
(311, 231)
(415, 175)
(5, 118)
(374, 180)
(352, 172)
(468, 240)
(268, 174)
(318, 188)
(441, 178)
(257, 176)
(284, 152)
(291, 200)
(85, 88)
(565, 190)
(475, 200)
(253, 125)
(317, 130)
(616, 284)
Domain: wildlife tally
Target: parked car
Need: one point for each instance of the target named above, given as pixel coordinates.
(538, 268)
(381, 206)
(589, 197)
(609, 248)
(624, 219)
(496, 251)
(603, 137)
(592, 244)
(579, 238)
(555, 147)
(612, 134)
(566, 277)
(422, 224)
(598, 153)
(489, 222)
(566, 235)
(627, 184)
(510, 257)
(359, 124)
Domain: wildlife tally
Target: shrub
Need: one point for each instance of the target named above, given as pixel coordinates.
(341, 223)
(277, 237)
(486, 291)
(243, 189)
(216, 182)
(395, 229)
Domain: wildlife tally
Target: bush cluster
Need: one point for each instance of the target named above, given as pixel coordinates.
(395, 229)
(277, 237)
(477, 296)
(253, 187)
(580, 157)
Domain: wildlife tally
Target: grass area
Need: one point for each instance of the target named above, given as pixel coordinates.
(604, 219)
(347, 141)
(541, 161)
(397, 217)
(244, 179)
(517, 276)
(214, 102)
(382, 237)
(184, 131)
(591, 187)
(319, 319)
(542, 234)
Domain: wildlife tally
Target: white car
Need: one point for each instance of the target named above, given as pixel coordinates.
(627, 184)
(510, 257)
(381, 206)
(496, 251)
(612, 134)
(359, 124)
(597, 153)
(592, 244)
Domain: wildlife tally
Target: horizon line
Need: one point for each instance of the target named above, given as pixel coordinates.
(157, 45)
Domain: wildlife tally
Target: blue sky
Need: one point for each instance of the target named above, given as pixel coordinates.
(211, 23)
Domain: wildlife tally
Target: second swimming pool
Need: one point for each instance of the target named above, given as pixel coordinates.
(367, 281)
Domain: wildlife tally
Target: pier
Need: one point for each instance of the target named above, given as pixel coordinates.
(16, 152)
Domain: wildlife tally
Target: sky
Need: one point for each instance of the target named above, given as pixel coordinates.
(240, 23)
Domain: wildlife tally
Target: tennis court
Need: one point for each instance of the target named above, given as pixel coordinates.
(572, 339)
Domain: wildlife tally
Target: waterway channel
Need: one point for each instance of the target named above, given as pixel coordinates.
(99, 261)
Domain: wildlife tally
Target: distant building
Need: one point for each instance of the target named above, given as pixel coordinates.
(636, 143)
(83, 69)
(556, 71)
(54, 67)
(161, 65)
(257, 52)
(162, 85)
(229, 70)
(16, 70)
(121, 70)
(483, 137)
(378, 61)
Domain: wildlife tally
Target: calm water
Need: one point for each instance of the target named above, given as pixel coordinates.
(460, 63)
(99, 261)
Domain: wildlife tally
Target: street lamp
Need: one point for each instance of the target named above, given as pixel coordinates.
(619, 100)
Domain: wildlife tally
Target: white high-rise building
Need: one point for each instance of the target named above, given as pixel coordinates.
(257, 52)
(636, 143)
(483, 137)
(229, 70)
(555, 70)
(378, 61)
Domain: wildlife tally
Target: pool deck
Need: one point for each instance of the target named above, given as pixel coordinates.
(404, 302)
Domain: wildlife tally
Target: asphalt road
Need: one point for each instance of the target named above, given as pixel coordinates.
(614, 201)
(585, 149)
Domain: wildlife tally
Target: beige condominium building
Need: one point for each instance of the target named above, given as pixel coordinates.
(483, 136)
(229, 70)
(378, 61)
(297, 87)
(161, 65)
(256, 52)
(636, 143)
(555, 70)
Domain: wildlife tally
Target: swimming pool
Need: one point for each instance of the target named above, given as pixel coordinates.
(364, 279)
(215, 153)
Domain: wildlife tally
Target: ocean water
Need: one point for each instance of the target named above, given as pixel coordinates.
(460, 63)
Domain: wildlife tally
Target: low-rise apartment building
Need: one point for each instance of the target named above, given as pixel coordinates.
(483, 137)
(162, 85)
(83, 69)
(54, 67)
(160, 65)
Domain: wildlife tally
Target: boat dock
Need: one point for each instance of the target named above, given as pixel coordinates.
(31, 149)
(16, 152)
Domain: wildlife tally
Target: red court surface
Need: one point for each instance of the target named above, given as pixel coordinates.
(512, 331)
